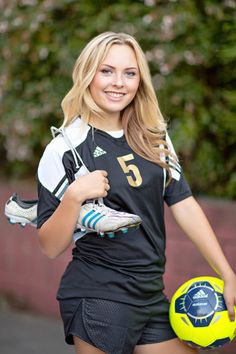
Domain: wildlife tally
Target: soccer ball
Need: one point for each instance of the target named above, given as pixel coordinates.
(199, 316)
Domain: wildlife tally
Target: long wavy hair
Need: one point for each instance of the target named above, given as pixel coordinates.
(142, 121)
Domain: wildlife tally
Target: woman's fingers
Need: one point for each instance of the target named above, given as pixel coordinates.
(104, 173)
(231, 309)
(230, 297)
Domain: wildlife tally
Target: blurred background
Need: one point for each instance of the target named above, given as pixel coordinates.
(191, 49)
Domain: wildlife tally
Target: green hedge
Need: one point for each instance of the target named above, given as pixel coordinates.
(191, 49)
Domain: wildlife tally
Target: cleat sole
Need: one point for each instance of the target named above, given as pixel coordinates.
(12, 219)
(111, 233)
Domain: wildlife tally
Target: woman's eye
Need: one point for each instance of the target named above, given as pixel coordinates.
(106, 71)
(131, 73)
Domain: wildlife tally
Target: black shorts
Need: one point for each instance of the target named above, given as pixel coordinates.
(114, 327)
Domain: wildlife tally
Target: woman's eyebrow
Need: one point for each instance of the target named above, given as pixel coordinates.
(113, 67)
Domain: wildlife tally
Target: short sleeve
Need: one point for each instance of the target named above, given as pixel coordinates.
(178, 188)
(52, 183)
(47, 204)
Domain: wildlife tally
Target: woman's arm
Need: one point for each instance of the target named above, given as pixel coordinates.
(192, 220)
(55, 235)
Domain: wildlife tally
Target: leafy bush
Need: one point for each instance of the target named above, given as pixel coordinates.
(191, 49)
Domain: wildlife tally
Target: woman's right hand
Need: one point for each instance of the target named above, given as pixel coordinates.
(92, 185)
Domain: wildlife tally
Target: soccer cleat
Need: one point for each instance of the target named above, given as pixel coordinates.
(104, 220)
(93, 217)
(20, 211)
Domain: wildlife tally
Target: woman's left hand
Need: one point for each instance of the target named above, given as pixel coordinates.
(230, 296)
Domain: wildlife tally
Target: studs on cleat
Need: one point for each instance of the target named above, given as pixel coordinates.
(111, 234)
(11, 221)
(124, 230)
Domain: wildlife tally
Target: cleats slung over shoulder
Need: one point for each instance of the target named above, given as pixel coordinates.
(94, 217)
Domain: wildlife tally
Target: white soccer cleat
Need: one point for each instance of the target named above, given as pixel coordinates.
(20, 211)
(104, 220)
(93, 217)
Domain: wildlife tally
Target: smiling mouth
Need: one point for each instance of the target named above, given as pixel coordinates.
(115, 94)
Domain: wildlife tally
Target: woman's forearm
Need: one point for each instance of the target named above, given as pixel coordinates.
(194, 223)
(55, 235)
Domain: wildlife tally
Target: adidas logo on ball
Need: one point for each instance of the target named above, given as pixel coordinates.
(200, 295)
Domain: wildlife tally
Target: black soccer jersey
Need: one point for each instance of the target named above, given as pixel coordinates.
(129, 267)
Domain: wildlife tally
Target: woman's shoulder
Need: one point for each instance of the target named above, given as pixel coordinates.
(64, 138)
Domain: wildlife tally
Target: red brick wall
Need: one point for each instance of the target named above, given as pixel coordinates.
(183, 260)
(30, 279)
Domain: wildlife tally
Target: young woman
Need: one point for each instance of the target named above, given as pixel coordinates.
(114, 145)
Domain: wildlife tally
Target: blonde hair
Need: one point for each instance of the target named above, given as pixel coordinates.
(142, 121)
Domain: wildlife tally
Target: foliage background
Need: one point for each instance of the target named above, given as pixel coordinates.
(191, 49)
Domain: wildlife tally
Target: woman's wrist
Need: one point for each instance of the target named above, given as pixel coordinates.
(228, 276)
(74, 196)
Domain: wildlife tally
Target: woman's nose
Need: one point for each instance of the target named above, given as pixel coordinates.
(118, 80)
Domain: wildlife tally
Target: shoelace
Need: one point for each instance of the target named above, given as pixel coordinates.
(104, 210)
(55, 131)
(101, 210)
(75, 153)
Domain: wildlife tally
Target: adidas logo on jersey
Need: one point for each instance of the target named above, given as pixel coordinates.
(98, 152)
(200, 295)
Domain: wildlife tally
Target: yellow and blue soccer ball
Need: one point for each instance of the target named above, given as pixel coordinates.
(199, 316)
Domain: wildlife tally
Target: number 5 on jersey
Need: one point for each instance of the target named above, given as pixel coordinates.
(132, 172)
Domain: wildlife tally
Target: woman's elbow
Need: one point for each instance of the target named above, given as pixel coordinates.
(47, 250)
(51, 254)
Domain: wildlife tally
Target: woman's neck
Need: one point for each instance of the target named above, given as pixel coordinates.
(106, 123)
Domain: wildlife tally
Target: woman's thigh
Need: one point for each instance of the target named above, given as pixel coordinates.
(173, 346)
(169, 347)
(82, 347)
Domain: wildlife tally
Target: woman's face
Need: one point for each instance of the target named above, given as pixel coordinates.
(116, 80)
